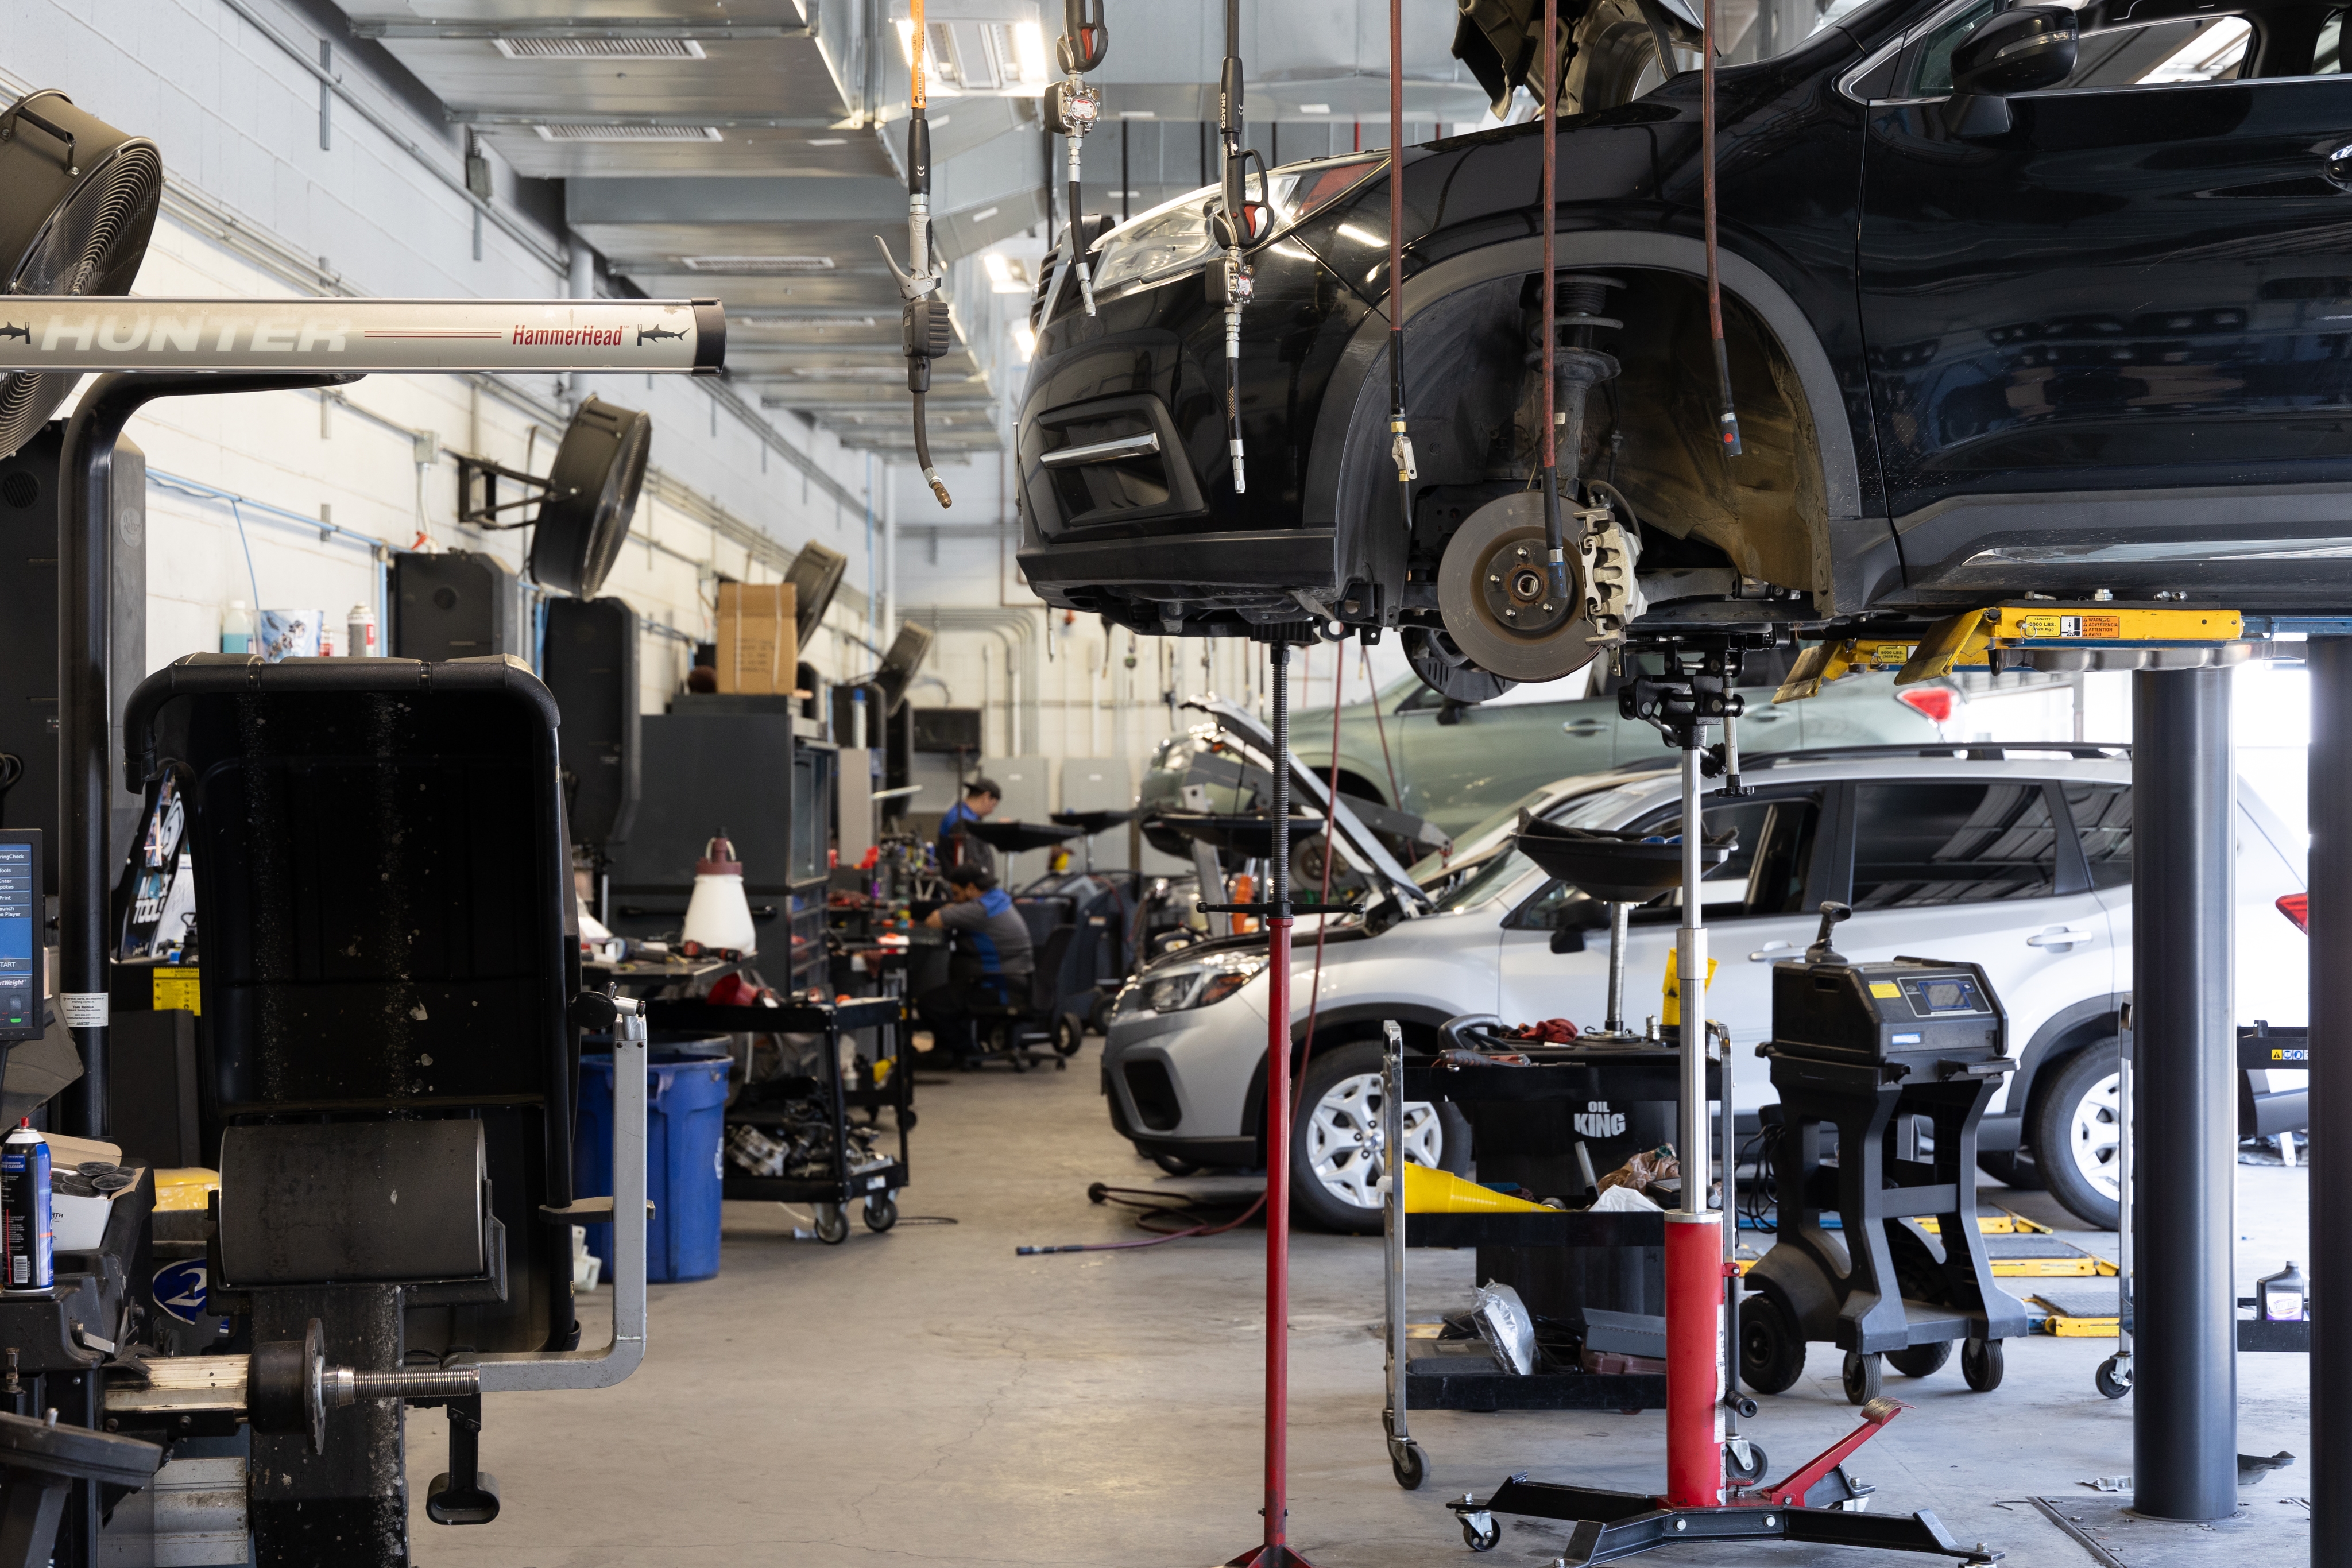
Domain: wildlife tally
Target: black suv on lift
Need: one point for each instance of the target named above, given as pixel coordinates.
(2018, 300)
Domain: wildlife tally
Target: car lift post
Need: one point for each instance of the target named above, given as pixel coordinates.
(1695, 1255)
(2184, 1116)
(2330, 881)
(1274, 1551)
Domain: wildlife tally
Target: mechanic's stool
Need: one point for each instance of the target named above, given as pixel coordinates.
(1014, 1031)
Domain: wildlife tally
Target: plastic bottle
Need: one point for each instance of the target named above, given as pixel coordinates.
(2281, 1298)
(27, 1239)
(236, 628)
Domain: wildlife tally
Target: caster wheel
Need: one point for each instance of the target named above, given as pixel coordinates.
(1020, 1063)
(1772, 1354)
(2112, 1378)
(1920, 1360)
(1060, 1065)
(1749, 1473)
(968, 1064)
(881, 1212)
(1409, 1465)
(1981, 1364)
(832, 1224)
(1863, 1378)
(1069, 1034)
(1480, 1532)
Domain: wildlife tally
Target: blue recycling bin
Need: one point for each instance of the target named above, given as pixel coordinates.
(686, 1108)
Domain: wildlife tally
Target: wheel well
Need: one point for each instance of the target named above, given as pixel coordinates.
(1355, 786)
(2074, 1040)
(1420, 1039)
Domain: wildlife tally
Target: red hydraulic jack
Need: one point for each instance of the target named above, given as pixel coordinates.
(1275, 1551)
(1700, 1504)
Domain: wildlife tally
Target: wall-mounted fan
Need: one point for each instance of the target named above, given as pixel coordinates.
(584, 502)
(77, 202)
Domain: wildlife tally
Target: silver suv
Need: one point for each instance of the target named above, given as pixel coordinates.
(2018, 858)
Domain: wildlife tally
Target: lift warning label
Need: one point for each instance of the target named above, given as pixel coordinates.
(2089, 627)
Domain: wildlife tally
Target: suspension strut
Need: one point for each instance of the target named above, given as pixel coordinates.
(1072, 110)
(927, 332)
(1239, 222)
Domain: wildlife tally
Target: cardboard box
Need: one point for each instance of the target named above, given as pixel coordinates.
(759, 652)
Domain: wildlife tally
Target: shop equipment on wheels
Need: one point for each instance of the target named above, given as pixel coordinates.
(1694, 690)
(1901, 1059)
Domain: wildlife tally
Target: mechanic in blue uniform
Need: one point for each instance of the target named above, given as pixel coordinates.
(990, 963)
(957, 847)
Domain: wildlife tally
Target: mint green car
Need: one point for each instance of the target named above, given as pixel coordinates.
(1455, 766)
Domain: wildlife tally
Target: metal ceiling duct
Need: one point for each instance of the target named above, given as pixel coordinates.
(78, 202)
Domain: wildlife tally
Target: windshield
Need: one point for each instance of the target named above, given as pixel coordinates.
(1595, 805)
(1486, 881)
(1760, 29)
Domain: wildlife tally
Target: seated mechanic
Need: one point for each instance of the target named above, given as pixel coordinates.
(989, 965)
(990, 962)
(957, 847)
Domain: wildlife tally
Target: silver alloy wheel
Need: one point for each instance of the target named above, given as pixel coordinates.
(1344, 1137)
(2095, 1130)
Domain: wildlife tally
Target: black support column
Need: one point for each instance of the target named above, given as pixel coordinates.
(2331, 1096)
(2184, 1110)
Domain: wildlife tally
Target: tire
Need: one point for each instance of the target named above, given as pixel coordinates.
(1408, 1464)
(1749, 1474)
(1175, 1166)
(881, 1212)
(1921, 1360)
(1864, 1378)
(2012, 1169)
(1069, 1034)
(1981, 1364)
(1335, 1157)
(832, 1224)
(1480, 1532)
(2074, 1132)
(2111, 1380)
(1771, 1355)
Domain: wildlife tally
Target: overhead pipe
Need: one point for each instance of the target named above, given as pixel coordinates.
(85, 782)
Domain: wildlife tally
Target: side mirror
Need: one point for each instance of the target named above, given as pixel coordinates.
(2026, 49)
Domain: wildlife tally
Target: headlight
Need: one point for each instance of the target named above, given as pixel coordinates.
(1172, 238)
(1210, 978)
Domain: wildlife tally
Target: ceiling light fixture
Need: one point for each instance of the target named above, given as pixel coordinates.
(576, 132)
(637, 48)
(756, 265)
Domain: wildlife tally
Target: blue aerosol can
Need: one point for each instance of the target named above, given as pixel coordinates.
(28, 1239)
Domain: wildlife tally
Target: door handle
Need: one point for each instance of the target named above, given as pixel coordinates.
(2337, 168)
(1770, 951)
(1582, 726)
(2059, 938)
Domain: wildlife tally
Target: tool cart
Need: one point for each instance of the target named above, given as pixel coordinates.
(792, 1138)
(1568, 1260)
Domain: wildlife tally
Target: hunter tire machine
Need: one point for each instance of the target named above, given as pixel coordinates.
(1881, 1052)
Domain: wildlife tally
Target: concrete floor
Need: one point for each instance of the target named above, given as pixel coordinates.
(928, 1396)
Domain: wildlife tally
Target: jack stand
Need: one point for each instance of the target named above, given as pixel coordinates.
(1275, 1551)
(1693, 691)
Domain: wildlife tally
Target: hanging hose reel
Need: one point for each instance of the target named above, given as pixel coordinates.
(1237, 224)
(928, 333)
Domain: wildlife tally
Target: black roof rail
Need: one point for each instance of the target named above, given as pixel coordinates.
(1966, 750)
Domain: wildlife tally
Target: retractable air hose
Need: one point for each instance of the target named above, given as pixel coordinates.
(1400, 438)
(927, 332)
(1074, 109)
(1239, 222)
(1727, 419)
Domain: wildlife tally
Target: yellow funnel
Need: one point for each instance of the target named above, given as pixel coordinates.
(1436, 1192)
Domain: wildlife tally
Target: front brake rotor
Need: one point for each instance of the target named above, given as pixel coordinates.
(1495, 591)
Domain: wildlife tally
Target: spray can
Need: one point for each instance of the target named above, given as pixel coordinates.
(28, 1239)
(359, 628)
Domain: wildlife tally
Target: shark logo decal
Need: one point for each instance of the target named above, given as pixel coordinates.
(656, 334)
(10, 330)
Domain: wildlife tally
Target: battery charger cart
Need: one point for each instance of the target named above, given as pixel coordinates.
(1892, 1055)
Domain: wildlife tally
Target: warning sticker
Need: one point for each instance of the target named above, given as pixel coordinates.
(1886, 990)
(2090, 628)
(176, 990)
